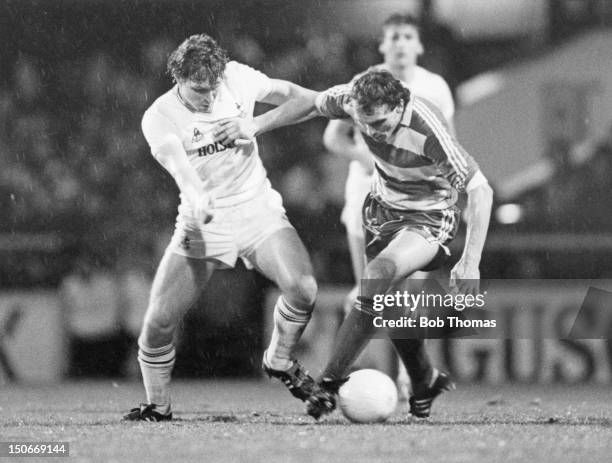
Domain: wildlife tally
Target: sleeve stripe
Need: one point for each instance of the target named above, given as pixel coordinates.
(454, 155)
(444, 138)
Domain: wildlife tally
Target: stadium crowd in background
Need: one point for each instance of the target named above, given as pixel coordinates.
(73, 156)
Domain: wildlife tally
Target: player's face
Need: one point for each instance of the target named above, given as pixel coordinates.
(401, 45)
(380, 122)
(199, 95)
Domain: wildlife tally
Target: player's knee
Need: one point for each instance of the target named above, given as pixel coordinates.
(301, 291)
(380, 269)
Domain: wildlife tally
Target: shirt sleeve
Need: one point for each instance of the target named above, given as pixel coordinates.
(253, 84)
(457, 166)
(156, 129)
(332, 102)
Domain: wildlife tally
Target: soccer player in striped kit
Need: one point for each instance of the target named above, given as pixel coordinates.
(400, 46)
(410, 215)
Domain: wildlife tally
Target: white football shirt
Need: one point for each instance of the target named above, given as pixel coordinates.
(234, 174)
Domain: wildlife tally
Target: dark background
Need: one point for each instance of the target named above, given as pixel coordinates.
(77, 180)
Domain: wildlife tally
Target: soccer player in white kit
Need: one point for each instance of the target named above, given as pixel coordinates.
(400, 46)
(228, 210)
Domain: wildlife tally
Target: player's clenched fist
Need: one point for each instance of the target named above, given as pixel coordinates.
(235, 130)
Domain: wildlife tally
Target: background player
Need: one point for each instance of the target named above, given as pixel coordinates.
(400, 46)
(228, 210)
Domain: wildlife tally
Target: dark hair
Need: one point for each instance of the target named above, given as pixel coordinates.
(376, 88)
(198, 58)
(399, 19)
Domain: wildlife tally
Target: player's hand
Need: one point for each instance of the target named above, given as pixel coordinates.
(204, 208)
(465, 278)
(235, 131)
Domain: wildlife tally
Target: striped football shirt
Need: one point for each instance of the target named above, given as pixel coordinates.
(421, 166)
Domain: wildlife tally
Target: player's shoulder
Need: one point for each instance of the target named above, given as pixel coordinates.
(429, 113)
(235, 70)
(242, 79)
(163, 102)
(433, 79)
(335, 101)
(340, 90)
(340, 94)
(163, 106)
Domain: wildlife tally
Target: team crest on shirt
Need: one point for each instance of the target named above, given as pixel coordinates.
(241, 112)
(197, 135)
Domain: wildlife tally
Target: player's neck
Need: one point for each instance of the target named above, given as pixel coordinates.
(403, 73)
(184, 102)
(187, 104)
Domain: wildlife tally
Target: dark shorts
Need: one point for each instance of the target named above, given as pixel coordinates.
(382, 224)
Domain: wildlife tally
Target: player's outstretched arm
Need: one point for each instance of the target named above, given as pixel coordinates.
(465, 273)
(340, 138)
(293, 104)
(171, 155)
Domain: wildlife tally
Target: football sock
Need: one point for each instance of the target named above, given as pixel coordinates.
(414, 356)
(402, 380)
(354, 334)
(350, 298)
(156, 365)
(289, 323)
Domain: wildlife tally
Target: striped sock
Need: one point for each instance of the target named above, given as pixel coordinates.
(156, 365)
(289, 323)
(365, 305)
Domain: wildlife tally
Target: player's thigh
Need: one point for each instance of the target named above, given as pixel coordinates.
(282, 257)
(405, 254)
(178, 282)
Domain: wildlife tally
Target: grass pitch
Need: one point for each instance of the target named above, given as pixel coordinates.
(251, 421)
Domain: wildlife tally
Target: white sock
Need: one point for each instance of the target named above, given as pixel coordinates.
(289, 323)
(402, 381)
(156, 365)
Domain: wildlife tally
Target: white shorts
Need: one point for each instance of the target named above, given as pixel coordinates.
(358, 185)
(235, 231)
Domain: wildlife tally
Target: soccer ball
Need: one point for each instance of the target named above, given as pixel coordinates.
(369, 396)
